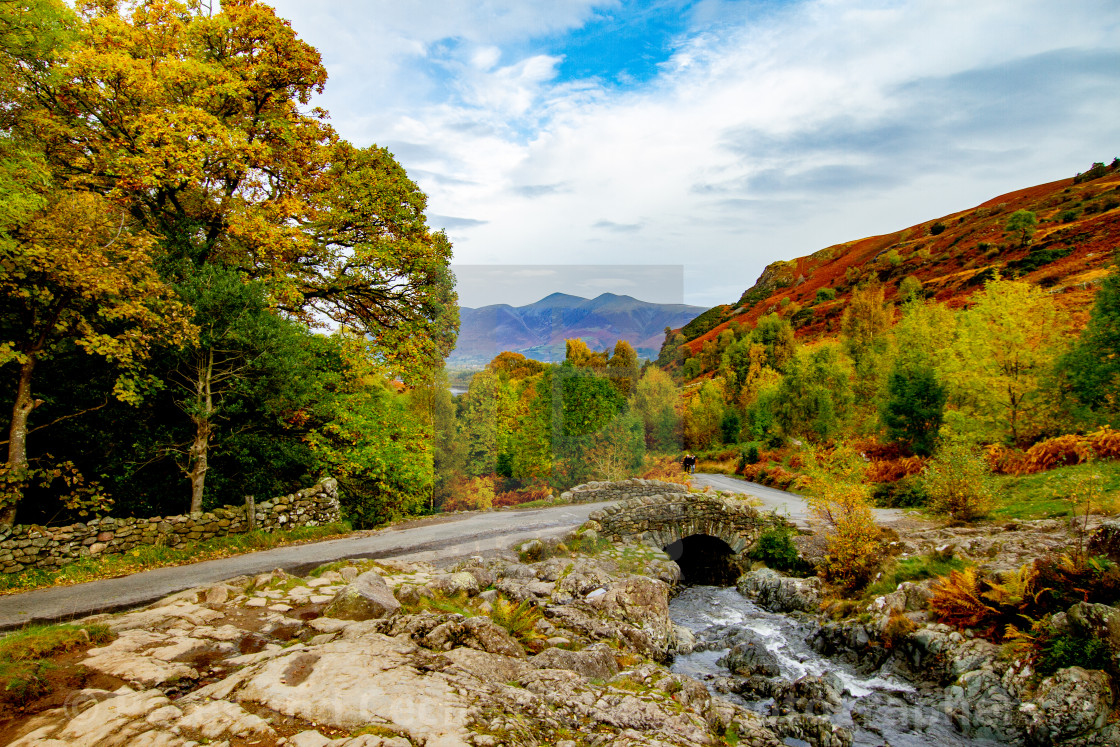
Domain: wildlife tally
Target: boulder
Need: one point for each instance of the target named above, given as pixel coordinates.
(641, 602)
(684, 641)
(451, 584)
(751, 658)
(809, 694)
(1105, 540)
(367, 597)
(593, 662)
(1072, 703)
(1096, 620)
(777, 593)
(480, 633)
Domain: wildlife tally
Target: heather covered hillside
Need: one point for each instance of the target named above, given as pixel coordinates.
(1067, 251)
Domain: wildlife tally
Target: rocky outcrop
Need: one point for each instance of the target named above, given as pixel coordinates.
(25, 546)
(777, 593)
(1105, 540)
(750, 658)
(257, 661)
(1072, 703)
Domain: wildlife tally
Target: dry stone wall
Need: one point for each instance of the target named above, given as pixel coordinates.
(661, 520)
(29, 546)
(622, 490)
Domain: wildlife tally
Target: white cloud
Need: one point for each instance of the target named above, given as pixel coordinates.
(768, 133)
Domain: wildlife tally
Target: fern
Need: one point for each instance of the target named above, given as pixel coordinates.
(1017, 590)
(956, 601)
(519, 619)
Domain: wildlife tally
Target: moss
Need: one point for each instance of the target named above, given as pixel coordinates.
(25, 656)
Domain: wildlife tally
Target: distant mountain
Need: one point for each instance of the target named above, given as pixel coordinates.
(539, 329)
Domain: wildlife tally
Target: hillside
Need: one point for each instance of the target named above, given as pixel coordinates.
(1077, 234)
(538, 330)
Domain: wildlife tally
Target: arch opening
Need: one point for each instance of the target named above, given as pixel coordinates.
(705, 560)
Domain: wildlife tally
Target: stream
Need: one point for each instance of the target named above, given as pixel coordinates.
(879, 709)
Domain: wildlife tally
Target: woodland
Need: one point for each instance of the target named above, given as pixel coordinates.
(209, 294)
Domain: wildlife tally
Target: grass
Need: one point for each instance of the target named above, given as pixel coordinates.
(155, 556)
(917, 568)
(1046, 495)
(25, 657)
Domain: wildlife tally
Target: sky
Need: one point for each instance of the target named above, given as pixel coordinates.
(711, 136)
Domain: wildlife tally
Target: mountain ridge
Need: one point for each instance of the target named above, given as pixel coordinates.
(538, 330)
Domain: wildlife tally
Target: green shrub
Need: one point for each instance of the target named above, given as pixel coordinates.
(1068, 216)
(906, 493)
(1068, 650)
(775, 548)
(958, 481)
(937, 228)
(825, 294)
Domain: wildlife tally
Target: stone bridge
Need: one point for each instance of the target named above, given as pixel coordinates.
(708, 534)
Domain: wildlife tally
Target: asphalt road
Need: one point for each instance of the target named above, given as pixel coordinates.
(433, 539)
(430, 539)
(789, 505)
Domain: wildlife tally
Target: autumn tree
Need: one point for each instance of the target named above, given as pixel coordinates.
(371, 441)
(865, 331)
(703, 415)
(1021, 225)
(656, 402)
(586, 403)
(479, 422)
(839, 501)
(79, 273)
(531, 444)
(776, 336)
(623, 367)
(1005, 349)
(198, 126)
(580, 355)
(814, 397)
(616, 451)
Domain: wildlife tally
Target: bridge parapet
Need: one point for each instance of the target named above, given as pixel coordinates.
(664, 519)
(620, 490)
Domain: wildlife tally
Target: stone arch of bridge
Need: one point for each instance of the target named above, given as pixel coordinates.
(713, 530)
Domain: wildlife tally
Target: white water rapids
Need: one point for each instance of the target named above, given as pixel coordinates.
(879, 709)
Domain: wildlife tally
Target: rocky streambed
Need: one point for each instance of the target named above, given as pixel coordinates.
(765, 661)
(554, 646)
(889, 674)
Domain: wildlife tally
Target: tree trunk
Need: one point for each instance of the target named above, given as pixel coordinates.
(202, 418)
(17, 434)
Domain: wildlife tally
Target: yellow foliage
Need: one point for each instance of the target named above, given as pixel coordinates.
(474, 494)
(1016, 589)
(840, 500)
(958, 482)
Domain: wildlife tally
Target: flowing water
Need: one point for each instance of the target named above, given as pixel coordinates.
(878, 708)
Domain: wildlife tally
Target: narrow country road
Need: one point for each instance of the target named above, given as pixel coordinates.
(789, 505)
(434, 538)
